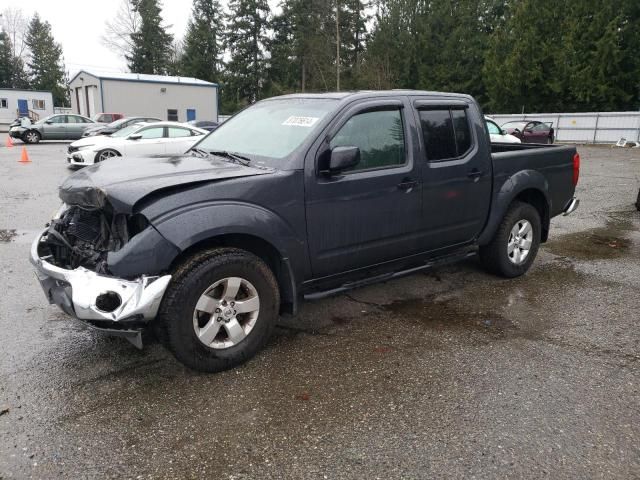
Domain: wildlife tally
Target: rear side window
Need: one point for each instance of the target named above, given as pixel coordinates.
(379, 135)
(446, 133)
(179, 132)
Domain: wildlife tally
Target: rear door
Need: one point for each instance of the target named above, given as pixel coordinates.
(369, 214)
(457, 177)
(75, 126)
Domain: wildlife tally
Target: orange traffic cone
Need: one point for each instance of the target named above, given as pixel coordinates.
(9, 142)
(25, 156)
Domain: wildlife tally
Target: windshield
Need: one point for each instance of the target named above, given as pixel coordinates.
(272, 129)
(126, 130)
(493, 128)
(117, 123)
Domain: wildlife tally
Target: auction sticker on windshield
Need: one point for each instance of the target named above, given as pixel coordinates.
(300, 121)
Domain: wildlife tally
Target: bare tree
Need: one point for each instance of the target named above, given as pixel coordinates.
(15, 24)
(117, 35)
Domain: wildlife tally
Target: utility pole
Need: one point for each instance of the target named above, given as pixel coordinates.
(337, 45)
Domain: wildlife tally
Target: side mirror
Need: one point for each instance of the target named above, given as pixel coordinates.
(49, 122)
(135, 136)
(343, 158)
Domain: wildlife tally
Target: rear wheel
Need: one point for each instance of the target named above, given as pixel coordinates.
(32, 136)
(219, 309)
(515, 244)
(106, 155)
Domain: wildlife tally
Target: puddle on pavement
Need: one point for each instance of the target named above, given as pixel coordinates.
(7, 235)
(608, 242)
(517, 308)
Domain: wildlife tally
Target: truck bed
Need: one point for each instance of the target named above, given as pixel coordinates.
(553, 163)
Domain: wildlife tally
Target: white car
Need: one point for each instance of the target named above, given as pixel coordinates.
(139, 140)
(498, 135)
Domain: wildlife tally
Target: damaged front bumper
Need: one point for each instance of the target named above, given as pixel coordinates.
(116, 306)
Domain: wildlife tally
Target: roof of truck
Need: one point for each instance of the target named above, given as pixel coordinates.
(372, 93)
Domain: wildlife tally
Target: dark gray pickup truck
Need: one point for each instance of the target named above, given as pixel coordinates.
(299, 196)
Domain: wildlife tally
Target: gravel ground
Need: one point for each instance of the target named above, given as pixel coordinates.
(449, 374)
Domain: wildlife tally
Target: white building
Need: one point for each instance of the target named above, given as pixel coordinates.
(24, 103)
(132, 94)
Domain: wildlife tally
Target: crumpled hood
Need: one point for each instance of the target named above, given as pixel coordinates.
(122, 182)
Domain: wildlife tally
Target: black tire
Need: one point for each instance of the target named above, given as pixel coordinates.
(31, 136)
(495, 256)
(98, 158)
(190, 280)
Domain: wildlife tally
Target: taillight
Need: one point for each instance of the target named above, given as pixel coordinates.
(576, 168)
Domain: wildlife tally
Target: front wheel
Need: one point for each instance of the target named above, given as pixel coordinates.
(106, 155)
(32, 136)
(515, 244)
(219, 309)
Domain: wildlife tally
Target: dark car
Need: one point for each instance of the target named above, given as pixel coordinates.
(531, 131)
(113, 127)
(207, 125)
(300, 196)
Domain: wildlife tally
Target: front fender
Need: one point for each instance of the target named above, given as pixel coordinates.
(505, 195)
(196, 223)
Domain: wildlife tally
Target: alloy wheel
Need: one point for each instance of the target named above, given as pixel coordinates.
(226, 312)
(520, 241)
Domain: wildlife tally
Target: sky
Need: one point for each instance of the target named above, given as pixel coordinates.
(79, 24)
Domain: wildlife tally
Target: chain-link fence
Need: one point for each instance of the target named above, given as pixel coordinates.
(595, 127)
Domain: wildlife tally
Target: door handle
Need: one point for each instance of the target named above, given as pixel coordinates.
(407, 185)
(474, 174)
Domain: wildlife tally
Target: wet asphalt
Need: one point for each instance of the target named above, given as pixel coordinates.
(452, 373)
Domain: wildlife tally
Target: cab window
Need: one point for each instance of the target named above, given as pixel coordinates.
(446, 133)
(378, 134)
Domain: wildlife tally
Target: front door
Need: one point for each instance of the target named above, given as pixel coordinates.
(23, 108)
(54, 128)
(370, 213)
(152, 142)
(457, 174)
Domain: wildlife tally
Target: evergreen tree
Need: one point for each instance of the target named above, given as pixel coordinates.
(246, 40)
(202, 43)
(151, 44)
(6, 62)
(45, 63)
(523, 68)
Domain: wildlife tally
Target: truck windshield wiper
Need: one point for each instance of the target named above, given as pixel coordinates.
(234, 157)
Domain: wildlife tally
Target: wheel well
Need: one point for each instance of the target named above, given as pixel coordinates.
(261, 249)
(537, 199)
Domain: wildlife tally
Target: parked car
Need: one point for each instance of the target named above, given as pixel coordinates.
(207, 125)
(53, 127)
(531, 131)
(300, 196)
(138, 140)
(117, 125)
(497, 135)
(107, 117)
